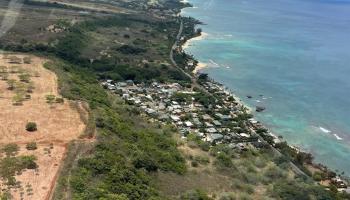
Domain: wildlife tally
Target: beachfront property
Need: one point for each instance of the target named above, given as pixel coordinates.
(220, 122)
(223, 119)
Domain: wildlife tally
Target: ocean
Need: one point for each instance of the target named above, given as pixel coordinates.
(292, 57)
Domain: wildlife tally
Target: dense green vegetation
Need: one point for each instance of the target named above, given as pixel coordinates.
(126, 151)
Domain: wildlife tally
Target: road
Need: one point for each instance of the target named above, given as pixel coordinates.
(171, 56)
(175, 45)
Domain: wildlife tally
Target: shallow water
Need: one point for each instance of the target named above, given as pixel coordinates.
(296, 53)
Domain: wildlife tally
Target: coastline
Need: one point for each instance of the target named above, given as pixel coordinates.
(187, 44)
(201, 65)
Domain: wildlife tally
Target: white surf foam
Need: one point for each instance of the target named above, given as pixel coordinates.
(324, 130)
(214, 63)
(337, 136)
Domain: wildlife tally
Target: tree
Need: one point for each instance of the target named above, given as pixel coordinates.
(11, 149)
(18, 99)
(59, 100)
(27, 60)
(50, 99)
(11, 84)
(4, 76)
(31, 146)
(199, 31)
(25, 77)
(31, 127)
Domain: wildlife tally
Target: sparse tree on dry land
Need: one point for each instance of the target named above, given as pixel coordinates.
(50, 99)
(36, 74)
(18, 99)
(15, 69)
(11, 84)
(3, 69)
(4, 76)
(25, 77)
(15, 60)
(30, 87)
(28, 96)
(27, 60)
(20, 88)
(31, 146)
(31, 127)
(11, 149)
(59, 100)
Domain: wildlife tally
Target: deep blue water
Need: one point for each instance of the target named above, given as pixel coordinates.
(294, 52)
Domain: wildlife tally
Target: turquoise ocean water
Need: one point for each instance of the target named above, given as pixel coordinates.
(296, 53)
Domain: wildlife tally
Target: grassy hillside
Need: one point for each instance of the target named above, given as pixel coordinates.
(133, 158)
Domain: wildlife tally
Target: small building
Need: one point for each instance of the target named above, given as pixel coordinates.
(207, 117)
(188, 124)
(244, 135)
(175, 118)
(223, 117)
(150, 112)
(163, 117)
(121, 84)
(197, 122)
(207, 124)
(214, 137)
(129, 82)
(211, 130)
(217, 123)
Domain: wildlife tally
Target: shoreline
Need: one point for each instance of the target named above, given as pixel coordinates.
(201, 65)
(187, 44)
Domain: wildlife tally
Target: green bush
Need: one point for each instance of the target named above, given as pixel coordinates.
(291, 190)
(11, 149)
(195, 195)
(31, 127)
(223, 160)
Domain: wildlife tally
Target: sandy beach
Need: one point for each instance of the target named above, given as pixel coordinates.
(199, 67)
(188, 42)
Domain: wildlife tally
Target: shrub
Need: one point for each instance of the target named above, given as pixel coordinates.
(24, 77)
(31, 126)
(274, 173)
(195, 195)
(59, 100)
(28, 162)
(11, 149)
(11, 84)
(202, 159)
(223, 160)
(228, 196)
(27, 60)
(31, 146)
(127, 49)
(194, 163)
(50, 98)
(205, 146)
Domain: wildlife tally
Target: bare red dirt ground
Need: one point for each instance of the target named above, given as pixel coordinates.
(57, 125)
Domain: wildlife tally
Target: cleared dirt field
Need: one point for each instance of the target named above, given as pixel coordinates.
(57, 124)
